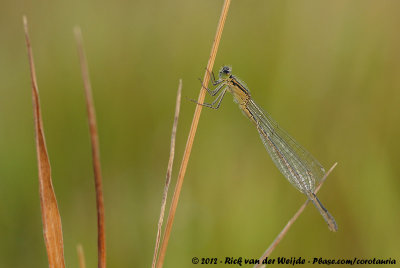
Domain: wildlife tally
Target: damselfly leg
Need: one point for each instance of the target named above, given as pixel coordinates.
(217, 100)
(213, 92)
(212, 77)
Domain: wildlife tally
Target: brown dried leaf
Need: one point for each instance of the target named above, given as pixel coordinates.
(52, 229)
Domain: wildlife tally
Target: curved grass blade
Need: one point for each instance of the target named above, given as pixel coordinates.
(52, 229)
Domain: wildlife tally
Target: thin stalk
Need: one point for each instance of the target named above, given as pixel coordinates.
(192, 133)
(169, 172)
(280, 236)
(94, 138)
(81, 256)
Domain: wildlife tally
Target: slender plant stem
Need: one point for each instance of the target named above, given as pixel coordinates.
(94, 138)
(192, 134)
(280, 236)
(81, 256)
(169, 172)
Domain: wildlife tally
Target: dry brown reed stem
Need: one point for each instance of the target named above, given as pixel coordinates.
(278, 239)
(192, 133)
(169, 172)
(52, 229)
(94, 138)
(81, 256)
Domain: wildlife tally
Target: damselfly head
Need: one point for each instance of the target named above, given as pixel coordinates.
(225, 72)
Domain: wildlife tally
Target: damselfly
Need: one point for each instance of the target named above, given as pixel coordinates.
(299, 167)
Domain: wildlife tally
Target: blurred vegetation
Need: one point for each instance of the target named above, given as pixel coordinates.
(327, 71)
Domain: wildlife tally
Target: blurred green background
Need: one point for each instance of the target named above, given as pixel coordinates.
(327, 71)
